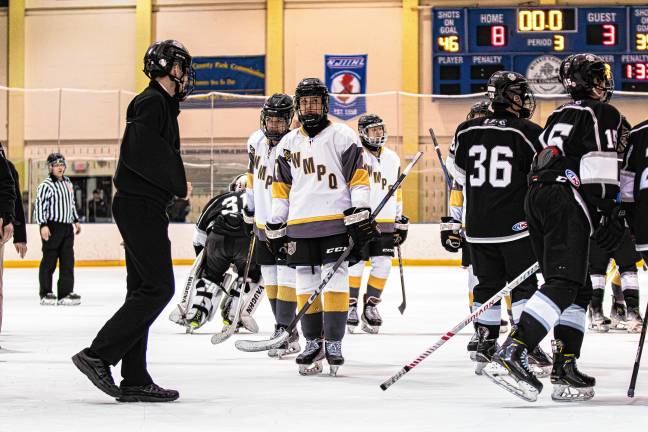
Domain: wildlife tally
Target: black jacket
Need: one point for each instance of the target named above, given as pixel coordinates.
(150, 164)
(20, 229)
(7, 190)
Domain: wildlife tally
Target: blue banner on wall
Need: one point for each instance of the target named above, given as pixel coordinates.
(346, 74)
(239, 75)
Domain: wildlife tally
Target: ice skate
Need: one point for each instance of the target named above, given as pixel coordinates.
(334, 356)
(618, 318)
(48, 300)
(597, 321)
(510, 370)
(635, 322)
(72, 299)
(570, 384)
(291, 346)
(485, 349)
(352, 318)
(310, 360)
(472, 346)
(371, 320)
(540, 362)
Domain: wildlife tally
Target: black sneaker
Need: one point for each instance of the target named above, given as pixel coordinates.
(97, 371)
(147, 393)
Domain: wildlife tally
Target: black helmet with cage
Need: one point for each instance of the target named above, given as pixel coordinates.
(583, 75)
(508, 89)
(479, 109)
(279, 105)
(159, 60)
(371, 121)
(311, 87)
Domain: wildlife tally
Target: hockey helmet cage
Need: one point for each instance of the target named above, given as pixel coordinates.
(278, 105)
(580, 74)
(508, 89)
(369, 121)
(480, 109)
(311, 87)
(159, 60)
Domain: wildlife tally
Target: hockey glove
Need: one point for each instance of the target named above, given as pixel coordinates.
(248, 220)
(451, 239)
(360, 225)
(276, 239)
(400, 230)
(609, 233)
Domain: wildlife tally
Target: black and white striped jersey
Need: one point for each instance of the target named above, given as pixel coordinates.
(55, 201)
(587, 132)
(634, 182)
(491, 158)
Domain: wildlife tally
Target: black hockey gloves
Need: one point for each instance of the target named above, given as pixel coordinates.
(276, 239)
(451, 240)
(400, 230)
(360, 225)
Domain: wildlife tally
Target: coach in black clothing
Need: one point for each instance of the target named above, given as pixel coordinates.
(149, 174)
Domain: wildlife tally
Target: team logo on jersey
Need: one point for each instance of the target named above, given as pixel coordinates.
(520, 226)
(572, 177)
(542, 74)
(287, 155)
(291, 248)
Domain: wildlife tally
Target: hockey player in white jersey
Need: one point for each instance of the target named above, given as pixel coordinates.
(383, 166)
(320, 197)
(279, 279)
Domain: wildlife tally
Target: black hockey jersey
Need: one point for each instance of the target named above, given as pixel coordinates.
(224, 215)
(634, 182)
(491, 157)
(587, 132)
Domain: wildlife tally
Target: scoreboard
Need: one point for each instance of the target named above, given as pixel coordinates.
(470, 44)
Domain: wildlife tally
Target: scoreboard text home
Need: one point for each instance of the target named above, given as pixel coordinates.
(469, 44)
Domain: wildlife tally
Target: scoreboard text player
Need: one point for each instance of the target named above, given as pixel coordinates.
(470, 44)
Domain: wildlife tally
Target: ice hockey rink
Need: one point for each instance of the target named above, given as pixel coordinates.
(224, 389)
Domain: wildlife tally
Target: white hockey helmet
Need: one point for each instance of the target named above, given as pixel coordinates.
(238, 183)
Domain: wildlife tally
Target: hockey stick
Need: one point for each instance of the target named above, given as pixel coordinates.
(229, 330)
(635, 369)
(443, 166)
(284, 334)
(403, 305)
(487, 305)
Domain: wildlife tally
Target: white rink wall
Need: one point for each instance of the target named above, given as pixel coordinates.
(100, 244)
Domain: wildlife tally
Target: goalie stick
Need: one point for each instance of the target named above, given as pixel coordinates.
(456, 329)
(179, 315)
(229, 329)
(264, 345)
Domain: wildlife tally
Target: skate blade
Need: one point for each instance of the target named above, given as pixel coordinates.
(566, 393)
(311, 369)
(500, 376)
(479, 367)
(599, 328)
(281, 353)
(351, 328)
(333, 370)
(541, 371)
(368, 329)
(472, 355)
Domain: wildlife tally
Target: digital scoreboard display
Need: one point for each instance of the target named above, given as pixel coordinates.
(469, 44)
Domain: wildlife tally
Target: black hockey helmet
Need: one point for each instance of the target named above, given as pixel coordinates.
(581, 74)
(508, 89)
(54, 159)
(238, 183)
(159, 60)
(479, 109)
(366, 122)
(311, 87)
(278, 105)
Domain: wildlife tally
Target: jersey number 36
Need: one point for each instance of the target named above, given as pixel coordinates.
(498, 171)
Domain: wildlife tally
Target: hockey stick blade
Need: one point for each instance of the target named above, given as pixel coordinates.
(264, 345)
(456, 329)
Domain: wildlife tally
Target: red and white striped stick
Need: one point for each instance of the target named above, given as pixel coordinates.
(470, 318)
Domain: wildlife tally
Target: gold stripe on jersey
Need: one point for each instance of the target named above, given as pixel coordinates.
(336, 301)
(280, 190)
(360, 178)
(384, 220)
(250, 181)
(316, 219)
(316, 307)
(456, 198)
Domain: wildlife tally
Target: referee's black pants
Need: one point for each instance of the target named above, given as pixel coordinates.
(59, 248)
(143, 225)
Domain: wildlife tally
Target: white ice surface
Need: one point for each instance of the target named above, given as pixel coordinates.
(223, 389)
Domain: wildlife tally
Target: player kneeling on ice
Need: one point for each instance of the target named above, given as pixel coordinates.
(491, 156)
(573, 185)
(320, 196)
(221, 238)
(383, 166)
(278, 278)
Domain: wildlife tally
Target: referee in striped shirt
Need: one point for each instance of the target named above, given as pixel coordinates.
(55, 212)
